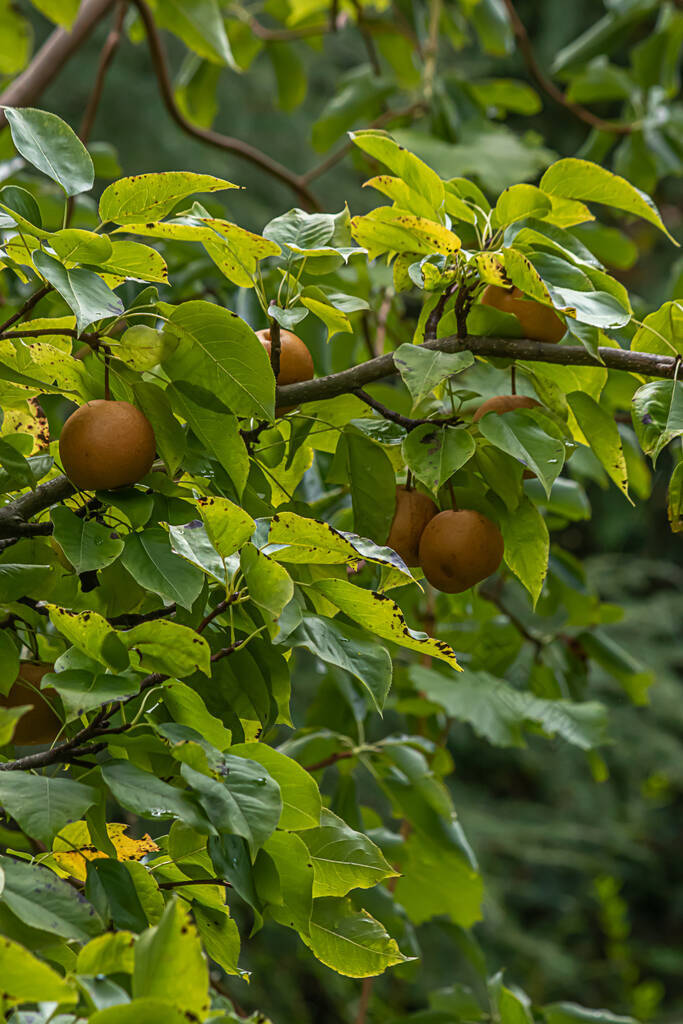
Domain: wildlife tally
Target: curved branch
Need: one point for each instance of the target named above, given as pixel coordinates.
(502, 348)
(15, 516)
(225, 142)
(52, 56)
(549, 87)
(406, 422)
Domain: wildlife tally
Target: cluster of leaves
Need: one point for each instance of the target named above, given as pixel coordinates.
(173, 667)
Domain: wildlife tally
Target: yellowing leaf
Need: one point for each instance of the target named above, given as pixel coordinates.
(73, 847)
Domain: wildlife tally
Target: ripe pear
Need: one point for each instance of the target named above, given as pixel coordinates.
(104, 445)
(504, 403)
(460, 548)
(296, 363)
(413, 511)
(41, 724)
(538, 322)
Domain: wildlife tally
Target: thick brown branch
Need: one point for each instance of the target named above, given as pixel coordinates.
(225, 142)
(27, 88)
(502, 348)
(549, 87)
(15, 516)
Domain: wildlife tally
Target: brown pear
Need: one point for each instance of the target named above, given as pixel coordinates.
(460, 548)
(413, 511)
(296, 363)
(504, 403)
(41, 724)
(104, 445)
(538, 322)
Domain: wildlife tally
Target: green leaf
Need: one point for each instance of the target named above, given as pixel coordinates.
(43, 901)
(269, 584)
(436, 881)
(84, 292)
(150, 560)
(169, 962)
(290, 856)
(141, 1011)
(580, 179)
(348, 648)
(434, 454)
(148, 197)
(221, 353)
(218, 432)
(243, 801)
(168, 433)
(25, 978)
(570, 1013)
(200, 25)
(111, 953)
(416, 174)
(350, 941)
(92, 634)
(49, 144)
(133, 261)
(343, 859)
(662, 331)
(168, 647)
(9, 663)
(527, 545)
(77, 246)
(42, 805)
(187, 707)
(423, 370)
(16, 39)
(382, 616)
(220, 936)
(86, 543)
(500, 713)
(228, 525)
(146, 795)
(290, 75)
(367, 468)
(387, 229)
(675, 499)
(301, 802)
(657, 413)
(519, 201)
(305, 540)
(300, 230)
(602, 434)
(520, 434)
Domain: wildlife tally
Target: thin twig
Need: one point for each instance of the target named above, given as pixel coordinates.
(340, 755)
(32, 301)
(403, 421)
(195, 881)
(225, 142)
(106, 57)
(549, 87)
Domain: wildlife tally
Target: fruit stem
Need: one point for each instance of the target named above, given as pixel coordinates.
(409, 480)
(513, 379)
(454, 504)
(107, 356)
(275, 347)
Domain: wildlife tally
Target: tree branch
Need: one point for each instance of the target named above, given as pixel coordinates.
(15, 516)
(403, 421)
(27, 88)
(32, 301)
(225, 142)
(549, 87)
(109, 49)
(502, 348)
